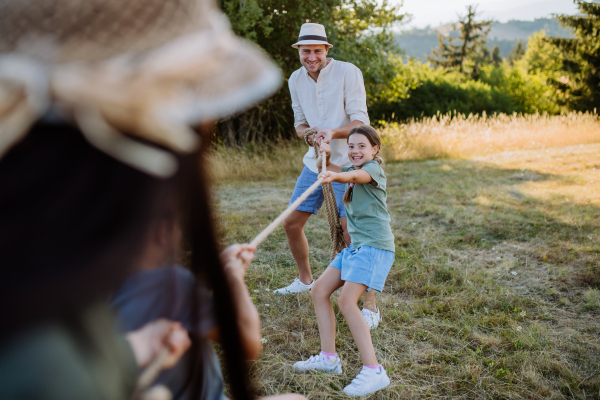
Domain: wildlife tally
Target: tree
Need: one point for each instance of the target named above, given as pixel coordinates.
(360, 30)
(581, 56)
(453, 51)
(517, 53)
(483, 57)
(544, 60)
(496, 56)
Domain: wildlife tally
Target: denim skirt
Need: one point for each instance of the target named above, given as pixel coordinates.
(366, 265)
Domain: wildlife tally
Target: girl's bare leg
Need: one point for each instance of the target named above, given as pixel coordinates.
(348, 302)
(321, 292)
(369, 298)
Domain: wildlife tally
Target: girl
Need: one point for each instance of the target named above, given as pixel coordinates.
(362, 266)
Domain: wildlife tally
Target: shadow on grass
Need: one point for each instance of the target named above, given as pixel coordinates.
(486, 298)
(464, 204)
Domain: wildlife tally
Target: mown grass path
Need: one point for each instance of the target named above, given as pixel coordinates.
(494, 292)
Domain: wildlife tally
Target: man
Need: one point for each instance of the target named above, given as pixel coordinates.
(328, 96)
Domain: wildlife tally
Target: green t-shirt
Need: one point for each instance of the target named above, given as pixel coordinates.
(368, 218)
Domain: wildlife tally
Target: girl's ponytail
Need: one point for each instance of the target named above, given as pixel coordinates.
(348, 195)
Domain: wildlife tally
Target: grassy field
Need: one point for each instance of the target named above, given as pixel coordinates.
(494, 292)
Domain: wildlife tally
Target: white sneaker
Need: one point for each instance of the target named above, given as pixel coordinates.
(296, 287)
(321, 363)
(368, 381)
(373, 319)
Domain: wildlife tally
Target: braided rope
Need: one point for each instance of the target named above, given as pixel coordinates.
(336, 232)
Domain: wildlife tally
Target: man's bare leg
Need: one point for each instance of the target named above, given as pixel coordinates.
(369, 297)
(369, 301)
(294, 230)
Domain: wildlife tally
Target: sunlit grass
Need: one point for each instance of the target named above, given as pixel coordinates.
(494, 292)
(437, 137)
(460, 135)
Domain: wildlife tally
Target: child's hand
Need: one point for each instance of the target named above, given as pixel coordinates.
(237, 258)
(328, 176)
(326, 148)
(148, 341)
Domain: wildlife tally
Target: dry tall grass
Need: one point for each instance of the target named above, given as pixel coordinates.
(460, 135)
(269, 162)
(494, 293)
(436, 137)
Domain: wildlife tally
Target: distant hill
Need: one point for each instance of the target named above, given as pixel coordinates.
(419, 42)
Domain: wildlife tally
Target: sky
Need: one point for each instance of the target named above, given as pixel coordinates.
(438, 12)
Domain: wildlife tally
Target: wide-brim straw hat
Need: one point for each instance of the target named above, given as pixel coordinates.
(312, 34)
(149, 68)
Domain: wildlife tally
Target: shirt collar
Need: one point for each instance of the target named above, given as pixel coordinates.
(326, 69)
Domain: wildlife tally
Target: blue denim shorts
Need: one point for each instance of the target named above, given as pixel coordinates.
(366, 265)
(314, 201)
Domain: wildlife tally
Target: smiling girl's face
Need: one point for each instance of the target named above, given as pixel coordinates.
(360, 150)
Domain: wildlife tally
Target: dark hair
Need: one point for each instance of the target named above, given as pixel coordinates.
(375, 140)
(71, 222)
(199, 227)
(74, 221)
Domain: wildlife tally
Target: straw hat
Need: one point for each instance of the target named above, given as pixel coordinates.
(312, 34)
(150, 68)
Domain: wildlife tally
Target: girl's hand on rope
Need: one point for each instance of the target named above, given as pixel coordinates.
(328, 176)
(236, 259)
(148, 341)
(326, 148)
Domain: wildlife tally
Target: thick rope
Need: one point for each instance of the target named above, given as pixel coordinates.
(273, 225)
(336, 232)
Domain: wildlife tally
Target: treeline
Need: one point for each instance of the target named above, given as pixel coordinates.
(419, 42)
(463, 75)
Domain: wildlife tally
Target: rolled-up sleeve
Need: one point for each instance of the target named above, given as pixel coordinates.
(299, 117)
(355, 96)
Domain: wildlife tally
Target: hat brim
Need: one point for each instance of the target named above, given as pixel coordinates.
(186, 88)
(307, 42)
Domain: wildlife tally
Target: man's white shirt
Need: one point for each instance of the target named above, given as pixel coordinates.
(337, 98)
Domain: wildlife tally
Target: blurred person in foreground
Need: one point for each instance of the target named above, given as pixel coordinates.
(97, 98)
(161, 289)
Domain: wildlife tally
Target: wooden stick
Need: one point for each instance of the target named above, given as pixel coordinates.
(273, 225)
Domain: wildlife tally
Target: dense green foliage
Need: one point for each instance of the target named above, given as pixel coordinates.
(359, 30)
(580, 57)
(549, 75)
(542, 74)
(499, 89)
(517, 53)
